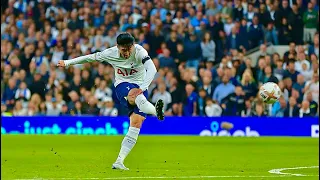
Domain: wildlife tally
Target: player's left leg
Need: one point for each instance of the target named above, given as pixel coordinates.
(129, 140)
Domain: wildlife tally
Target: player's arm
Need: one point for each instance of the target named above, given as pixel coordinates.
(150, 70)
(80, 60)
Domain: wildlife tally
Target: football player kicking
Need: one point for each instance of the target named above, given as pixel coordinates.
(134, 71)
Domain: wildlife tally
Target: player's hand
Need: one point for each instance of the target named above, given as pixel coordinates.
(61, 63)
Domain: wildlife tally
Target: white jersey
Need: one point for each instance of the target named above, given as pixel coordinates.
(130, 70)
(126, 70)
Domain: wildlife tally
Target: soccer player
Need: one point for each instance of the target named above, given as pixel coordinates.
(134, 71)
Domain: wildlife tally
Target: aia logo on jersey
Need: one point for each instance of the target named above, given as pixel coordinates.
(127, 72)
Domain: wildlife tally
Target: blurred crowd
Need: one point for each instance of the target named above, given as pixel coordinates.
(198, 47)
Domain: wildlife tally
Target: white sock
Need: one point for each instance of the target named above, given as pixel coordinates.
(128, 143)
(144, 105)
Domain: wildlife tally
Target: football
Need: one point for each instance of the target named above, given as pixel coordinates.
(270, 92)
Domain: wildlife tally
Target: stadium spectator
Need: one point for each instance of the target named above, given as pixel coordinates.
(77, 110)
(18, 109)
(305, 110)
(162, 93)
(91, 107)
(288, 85)
(108, 108)
(314, 48)
(296, 95)
(201, 102)
(310, 18)
(247, 111)
(300, 84)
(207, 85)
(263, 15)
(256, 33)
(248, 84)
(259, 110)
(305, 72)
(233, 40)
(212, 108)
(279, 107)
(223, 89)
(313, 87)
(190, 102)
(292, 50)
(192, 47)
(64, 110)
(23, 93)
(42, 110)
(166, 60)
(9, 93)
(175, 107)
(284, 32)
(291, 71)
(292, 109)
(52, 107)
(268, 75)
(260, 69)
(313, 105)
(234, 103)
(212, 8)
(271, 34)
(103, 91)
(301, 59)
(295, 20)
(249, 14)
(278, 72)
(226, 11)
(181, 55)
(208, 48)
(172, 43)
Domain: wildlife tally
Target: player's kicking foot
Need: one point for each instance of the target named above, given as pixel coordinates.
(119, 166)
(159, 109)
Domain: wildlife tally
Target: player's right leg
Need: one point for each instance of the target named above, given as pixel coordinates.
(128, 93)
(145, 106)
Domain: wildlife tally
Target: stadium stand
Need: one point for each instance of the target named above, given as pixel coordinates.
(199, 47)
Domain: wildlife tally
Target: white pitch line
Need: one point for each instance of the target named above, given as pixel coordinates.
(278, 171)
(166, 177)
(273, 171)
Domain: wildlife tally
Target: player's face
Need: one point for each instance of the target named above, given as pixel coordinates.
(125, 51)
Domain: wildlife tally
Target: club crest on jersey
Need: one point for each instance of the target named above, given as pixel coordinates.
(126, 72)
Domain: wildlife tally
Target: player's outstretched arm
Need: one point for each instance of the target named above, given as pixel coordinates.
(78, 60)
(150, 73)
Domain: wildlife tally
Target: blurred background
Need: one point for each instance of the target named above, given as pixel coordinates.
(212, 55)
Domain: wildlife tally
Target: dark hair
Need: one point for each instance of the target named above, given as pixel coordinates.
(125, 39)
(209, 99)
(207, 32)
(291, 61)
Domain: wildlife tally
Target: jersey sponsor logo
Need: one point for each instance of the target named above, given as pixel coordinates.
(126, 72)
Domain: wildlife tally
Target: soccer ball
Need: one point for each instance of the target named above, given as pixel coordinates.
(270, 92)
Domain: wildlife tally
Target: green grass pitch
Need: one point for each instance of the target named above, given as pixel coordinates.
(157, 157)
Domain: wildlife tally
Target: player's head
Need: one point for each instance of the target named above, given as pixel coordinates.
(125, 42)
